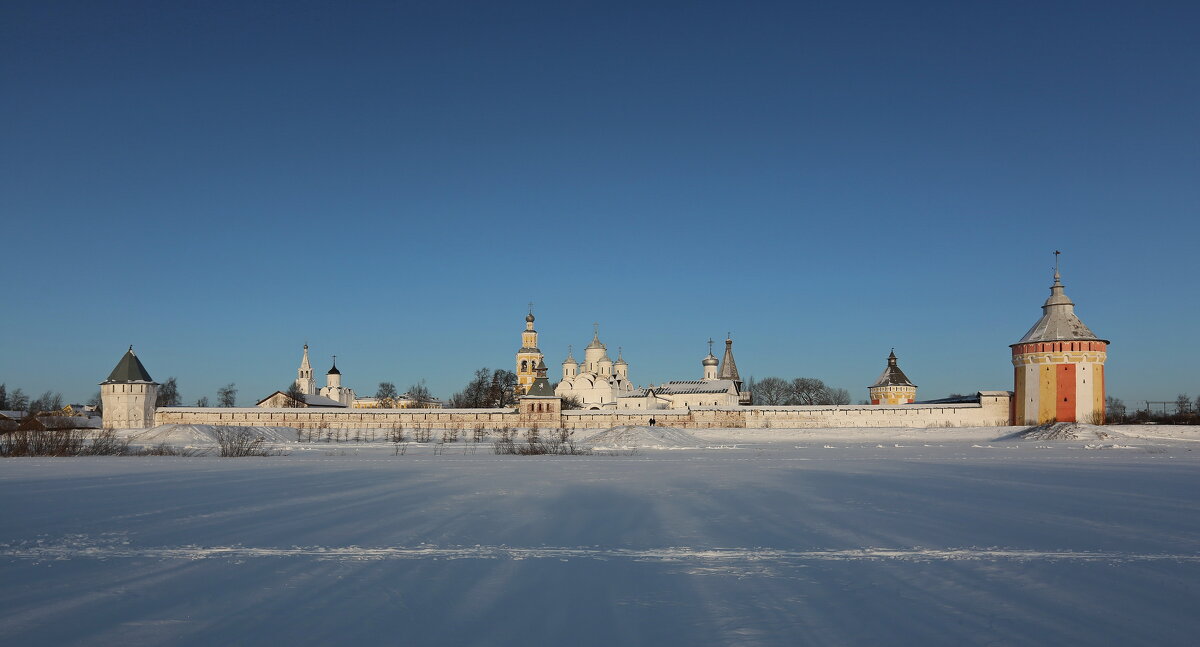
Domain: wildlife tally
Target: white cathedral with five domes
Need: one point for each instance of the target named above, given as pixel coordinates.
(597, 383)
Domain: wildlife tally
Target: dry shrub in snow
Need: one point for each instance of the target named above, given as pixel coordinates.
(240, 441)
(559, 442)
(62, 442)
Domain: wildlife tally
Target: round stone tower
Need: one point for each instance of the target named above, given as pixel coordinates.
(893, 386)
(1058, 366)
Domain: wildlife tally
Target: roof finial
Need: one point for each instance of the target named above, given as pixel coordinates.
(1057, 276)
(530, 307)
(335, 361)
(131, 348)
(710, 343)
(595, 328)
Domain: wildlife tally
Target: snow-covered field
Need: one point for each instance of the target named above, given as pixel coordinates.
(747, 537)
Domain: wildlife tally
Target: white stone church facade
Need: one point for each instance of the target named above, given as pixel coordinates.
(599, 382)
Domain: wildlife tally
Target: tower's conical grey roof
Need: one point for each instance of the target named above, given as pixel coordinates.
(892, 375)
(728, 366)
(1059, 321)
(129, 369)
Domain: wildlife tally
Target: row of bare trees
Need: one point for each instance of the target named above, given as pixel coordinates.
(19, 401)
(799, 391)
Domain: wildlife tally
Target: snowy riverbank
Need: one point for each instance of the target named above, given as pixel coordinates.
(752, 537)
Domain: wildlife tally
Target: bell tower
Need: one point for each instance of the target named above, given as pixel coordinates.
(528, 356)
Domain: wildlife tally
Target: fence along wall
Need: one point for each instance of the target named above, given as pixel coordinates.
(993, 409)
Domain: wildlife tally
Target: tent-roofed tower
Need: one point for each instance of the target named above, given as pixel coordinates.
(728, 366)
(893, 386)
(1058, 366)
(528, 356)
(729, 371)
(129, 395)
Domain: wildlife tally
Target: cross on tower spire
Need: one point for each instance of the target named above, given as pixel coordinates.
(710, 343)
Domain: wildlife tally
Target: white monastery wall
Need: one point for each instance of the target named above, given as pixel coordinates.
(993, 409)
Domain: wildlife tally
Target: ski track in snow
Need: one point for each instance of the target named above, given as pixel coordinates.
(83, 549)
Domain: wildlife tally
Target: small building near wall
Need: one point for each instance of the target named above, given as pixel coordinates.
(281, 400)
(539, 406)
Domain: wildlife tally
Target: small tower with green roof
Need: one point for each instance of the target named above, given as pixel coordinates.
(129, 395)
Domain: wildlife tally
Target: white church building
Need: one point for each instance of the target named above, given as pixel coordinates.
(720, 386)
(333, 394)
(599, 382)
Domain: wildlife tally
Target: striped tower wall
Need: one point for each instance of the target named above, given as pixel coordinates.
(1059, 381)
(892, 394)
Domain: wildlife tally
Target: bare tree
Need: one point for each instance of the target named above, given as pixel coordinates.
(1114, 408)
(48, 401)
(295, 396)
(3, 398)
(227, 396)
(808, 390)
(18, 401)
(419, 393)
(168, 394)
(474, 395)
(772, 391)
(202, 401)
(836, 396)
(1183, 404)
(386, 393)
(502, 389)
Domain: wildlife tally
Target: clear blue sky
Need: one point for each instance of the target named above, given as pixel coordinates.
(216, 183)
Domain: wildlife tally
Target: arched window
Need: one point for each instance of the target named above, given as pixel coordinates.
(524, 366)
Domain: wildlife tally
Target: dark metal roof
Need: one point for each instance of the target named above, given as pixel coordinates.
(129, 369)
(892, 375)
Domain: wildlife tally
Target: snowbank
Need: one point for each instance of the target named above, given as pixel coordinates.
(631, 437)
(200, 435)
(1064, 431)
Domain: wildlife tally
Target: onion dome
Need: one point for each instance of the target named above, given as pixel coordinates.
(596, 339)
(529, 318)
(570, 356)
(334, 371)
